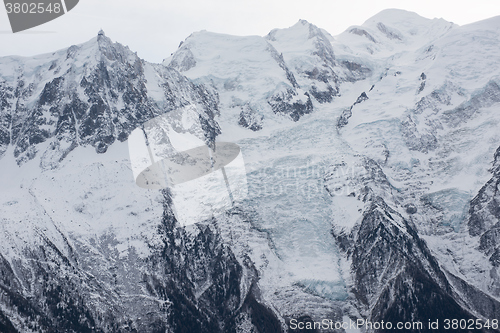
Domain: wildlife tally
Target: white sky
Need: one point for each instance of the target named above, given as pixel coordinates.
(154, 28)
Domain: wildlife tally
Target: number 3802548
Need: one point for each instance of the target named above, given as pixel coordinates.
(33, 8)
(470, 324)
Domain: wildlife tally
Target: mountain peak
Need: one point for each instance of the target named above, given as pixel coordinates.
(101, 37)
(398, 26)
(395, 14)
(401, 19)
(302, 30)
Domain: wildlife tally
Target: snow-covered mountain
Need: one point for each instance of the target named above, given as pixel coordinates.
(372, 162)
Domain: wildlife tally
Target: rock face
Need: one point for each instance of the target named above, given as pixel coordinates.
(484, 215)
(190, 283)
(200, 279)
(368, 160)
(395, 274)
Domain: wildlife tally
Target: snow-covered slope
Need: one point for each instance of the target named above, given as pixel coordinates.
(250, 75)
(368, 158)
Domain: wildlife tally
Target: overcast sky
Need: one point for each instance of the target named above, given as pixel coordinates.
(154, 28)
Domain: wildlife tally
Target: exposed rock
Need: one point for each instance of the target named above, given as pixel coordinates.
(97, 103)
(362, 32)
